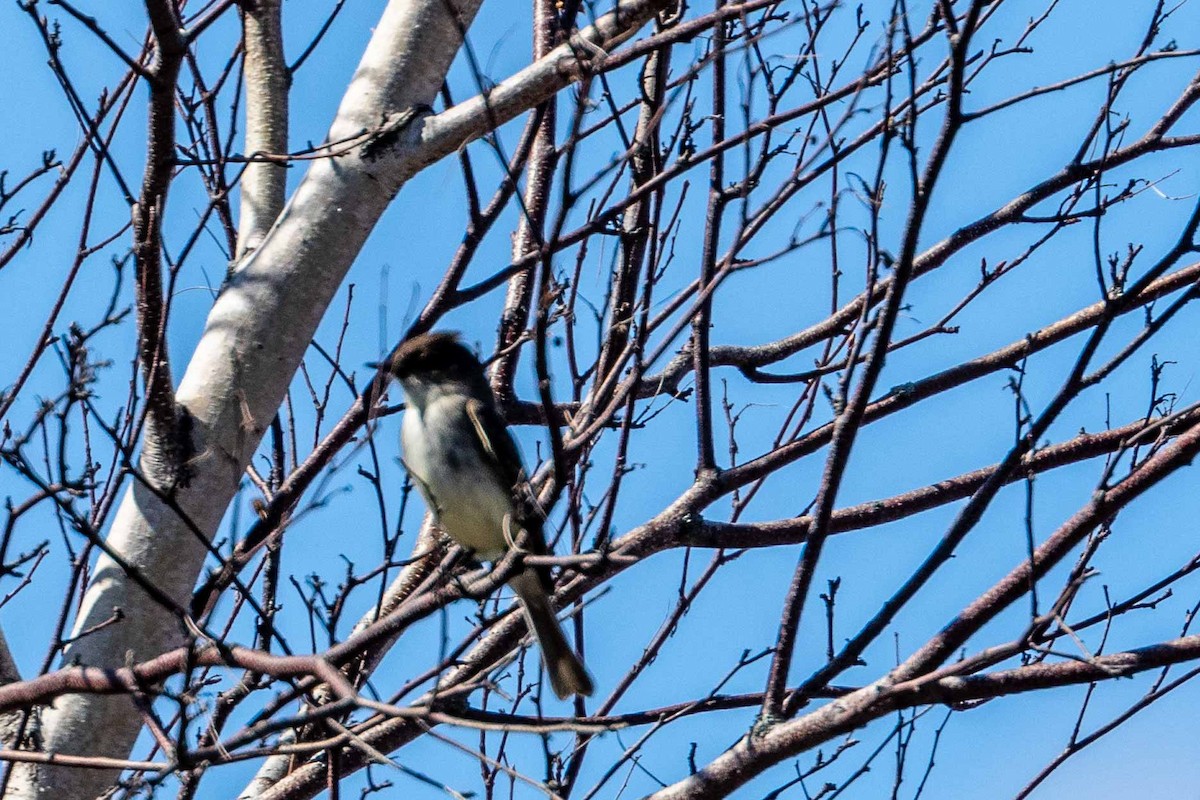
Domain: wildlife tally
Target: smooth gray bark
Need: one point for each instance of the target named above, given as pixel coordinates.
(257, 334)
(253, 343)
(262, 189)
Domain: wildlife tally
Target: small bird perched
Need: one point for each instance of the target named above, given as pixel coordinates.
(460, 454)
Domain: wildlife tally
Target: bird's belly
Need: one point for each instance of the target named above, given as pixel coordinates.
(477, 521)
(460, 488)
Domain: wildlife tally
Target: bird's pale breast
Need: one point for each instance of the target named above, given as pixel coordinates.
(445, 458)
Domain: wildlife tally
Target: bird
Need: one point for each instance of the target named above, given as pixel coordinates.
(460, 454)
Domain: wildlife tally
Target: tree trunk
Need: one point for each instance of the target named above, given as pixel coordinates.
(256, 336)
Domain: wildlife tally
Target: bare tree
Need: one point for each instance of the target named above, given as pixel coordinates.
(772, 272)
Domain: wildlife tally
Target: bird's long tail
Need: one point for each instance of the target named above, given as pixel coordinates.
(568, 675)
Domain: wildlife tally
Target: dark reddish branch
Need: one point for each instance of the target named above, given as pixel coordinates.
(850, 420)
(1084, 447)
(398, 732)
(898, 399)
(907, 395)
(972, 512)
(207, 17)
(603, 221)
(503, 639)
(283, 501)
(530, 236)
(49, 163)
(25, 234)
(667, 382)
(873, 76)
(1044, 676)
(45, 339)
(917, 692)
(749, 758)
(447, 294)
(142, 677)
(936, 256)
(854, 711)
(166, 444)
(716, 702)
(684, 532)
(378, 740)
(713, 214)
(1102, 507)
(319, 668)
(644, 161)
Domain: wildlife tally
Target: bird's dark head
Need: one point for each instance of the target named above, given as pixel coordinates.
(432, 359)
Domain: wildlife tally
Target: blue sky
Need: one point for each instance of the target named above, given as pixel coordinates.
(990, 751)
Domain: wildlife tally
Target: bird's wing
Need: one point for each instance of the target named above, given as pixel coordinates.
(496, 445)
(495, 442)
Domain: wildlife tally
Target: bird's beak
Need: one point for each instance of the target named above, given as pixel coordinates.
(374, 364)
